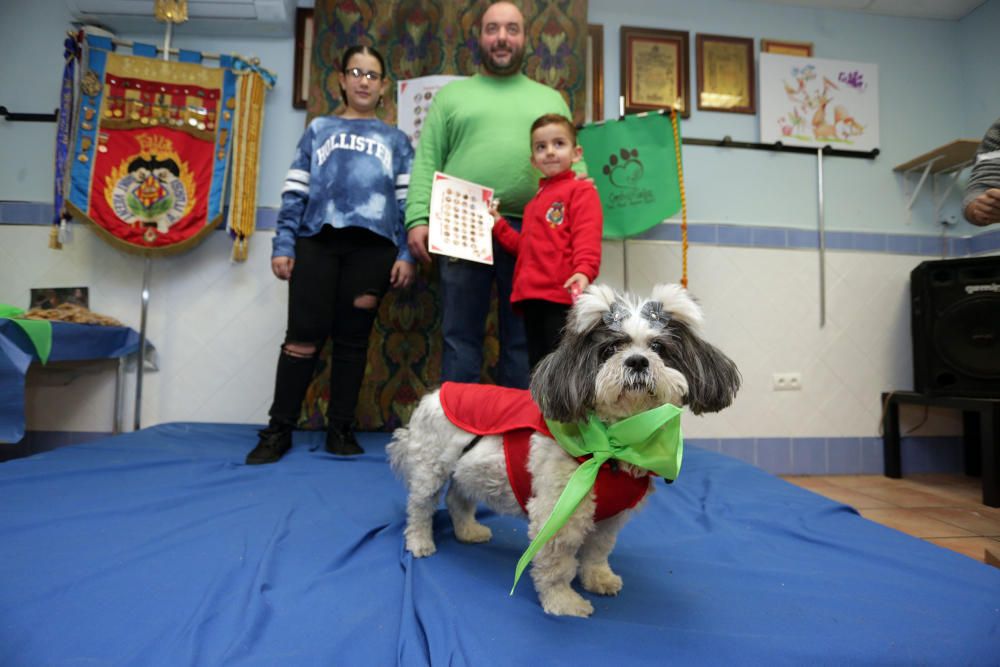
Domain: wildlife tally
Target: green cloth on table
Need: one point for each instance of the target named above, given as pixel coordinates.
(39, 332)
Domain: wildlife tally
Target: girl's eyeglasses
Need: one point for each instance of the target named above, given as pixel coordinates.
(357, 73)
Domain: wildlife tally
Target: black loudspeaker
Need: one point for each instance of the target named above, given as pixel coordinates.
(955, 323)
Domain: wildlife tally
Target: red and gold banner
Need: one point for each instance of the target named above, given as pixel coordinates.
(151, 149)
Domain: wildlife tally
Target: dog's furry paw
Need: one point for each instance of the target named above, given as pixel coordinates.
(420, 547)
(600, 579)
(566, 602)
(473, 532)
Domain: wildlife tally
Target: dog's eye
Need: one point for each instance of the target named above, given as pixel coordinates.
(657, 347)
(609, 351)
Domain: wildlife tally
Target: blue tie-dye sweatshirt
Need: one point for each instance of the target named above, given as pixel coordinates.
(347, 172)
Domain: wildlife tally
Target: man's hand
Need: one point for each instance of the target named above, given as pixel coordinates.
(984, 209)
(282, 267)
(416, 239)
(402, 273)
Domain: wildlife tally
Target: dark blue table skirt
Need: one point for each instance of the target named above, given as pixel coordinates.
(70, 342)
(161, 548)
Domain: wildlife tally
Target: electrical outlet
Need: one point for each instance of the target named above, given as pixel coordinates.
(786, 381)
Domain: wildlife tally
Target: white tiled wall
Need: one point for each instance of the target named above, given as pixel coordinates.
(217, 327)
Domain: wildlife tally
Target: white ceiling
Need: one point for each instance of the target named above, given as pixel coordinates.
(951, 10)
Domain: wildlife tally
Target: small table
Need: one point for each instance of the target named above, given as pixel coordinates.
(980, 437)
(70, 342)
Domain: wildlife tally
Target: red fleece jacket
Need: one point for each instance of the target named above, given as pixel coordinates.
(560, 236)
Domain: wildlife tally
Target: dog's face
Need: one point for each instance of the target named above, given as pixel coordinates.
(619, 356)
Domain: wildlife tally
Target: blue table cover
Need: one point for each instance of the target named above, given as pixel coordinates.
(160, 547)
(70, 342)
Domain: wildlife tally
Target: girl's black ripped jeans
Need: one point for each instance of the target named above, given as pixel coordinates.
(339, 277)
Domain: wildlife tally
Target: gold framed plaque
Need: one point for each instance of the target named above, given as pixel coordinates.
(785, 48)
(655, 70)
(726, 75)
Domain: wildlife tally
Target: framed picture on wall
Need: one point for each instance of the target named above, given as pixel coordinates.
(655, 70)
(595, 73)
(726, 76)
(303, 56)
(785, 48)
(53, 297)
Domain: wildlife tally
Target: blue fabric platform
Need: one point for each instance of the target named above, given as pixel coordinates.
(161, 548)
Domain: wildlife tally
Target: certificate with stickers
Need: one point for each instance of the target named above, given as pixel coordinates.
(460, 222)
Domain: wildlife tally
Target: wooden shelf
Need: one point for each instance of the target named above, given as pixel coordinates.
(944, 158)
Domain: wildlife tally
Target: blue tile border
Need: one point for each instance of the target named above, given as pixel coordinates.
(839, 455)
(35, 213)
(763, 236)
(723, 234)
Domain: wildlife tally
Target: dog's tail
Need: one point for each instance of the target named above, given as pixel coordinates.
(398, 451)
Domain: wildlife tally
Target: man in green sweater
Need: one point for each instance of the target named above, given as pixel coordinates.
(478, 129)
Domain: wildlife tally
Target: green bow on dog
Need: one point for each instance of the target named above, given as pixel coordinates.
(651, 440)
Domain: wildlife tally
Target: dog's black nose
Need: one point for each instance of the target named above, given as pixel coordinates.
(637, 363)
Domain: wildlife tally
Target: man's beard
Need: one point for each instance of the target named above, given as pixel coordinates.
(514, 66)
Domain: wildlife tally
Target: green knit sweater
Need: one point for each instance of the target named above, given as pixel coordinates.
(478, 129)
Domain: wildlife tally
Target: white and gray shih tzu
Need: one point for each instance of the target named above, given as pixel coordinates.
(620, 359)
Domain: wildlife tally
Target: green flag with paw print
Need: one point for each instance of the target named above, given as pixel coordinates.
(634, 164)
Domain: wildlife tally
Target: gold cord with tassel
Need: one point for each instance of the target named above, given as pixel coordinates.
(54, 241)
(684, 208)
(249, 118)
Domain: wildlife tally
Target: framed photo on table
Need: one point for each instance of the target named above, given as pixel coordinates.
(785, 48)
(655, 70)
(303, 56)
(726, 77)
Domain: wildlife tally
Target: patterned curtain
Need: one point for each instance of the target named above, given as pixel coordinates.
(421, 38)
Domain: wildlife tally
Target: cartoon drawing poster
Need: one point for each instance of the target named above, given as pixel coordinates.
(816, 102)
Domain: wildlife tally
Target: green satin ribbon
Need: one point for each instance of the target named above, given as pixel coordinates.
(650, 440)
(39, 332)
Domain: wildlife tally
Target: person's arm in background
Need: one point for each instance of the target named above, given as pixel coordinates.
(404, 269)
(981, 203)
(294, 198)
(429, 157)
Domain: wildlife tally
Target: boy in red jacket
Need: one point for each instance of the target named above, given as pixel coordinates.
(559, 247)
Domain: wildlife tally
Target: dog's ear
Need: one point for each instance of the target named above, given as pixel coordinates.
(712, 377)
(563, 383)
(676, 301)
(589, 309)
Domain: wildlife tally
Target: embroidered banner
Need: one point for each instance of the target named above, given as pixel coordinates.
(151, 148)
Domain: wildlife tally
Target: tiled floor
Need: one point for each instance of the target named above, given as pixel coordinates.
(944, 509)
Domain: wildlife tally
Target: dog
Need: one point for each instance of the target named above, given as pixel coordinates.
(617, 357)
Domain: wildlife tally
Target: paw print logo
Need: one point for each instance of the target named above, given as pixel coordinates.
(625, 169)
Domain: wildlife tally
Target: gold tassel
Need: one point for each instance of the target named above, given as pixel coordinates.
(249, 118)
(170, 11)
(54, 242)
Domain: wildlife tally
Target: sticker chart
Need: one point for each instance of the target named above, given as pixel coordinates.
(460, 222)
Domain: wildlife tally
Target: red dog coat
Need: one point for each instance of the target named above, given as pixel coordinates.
(490, 410)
